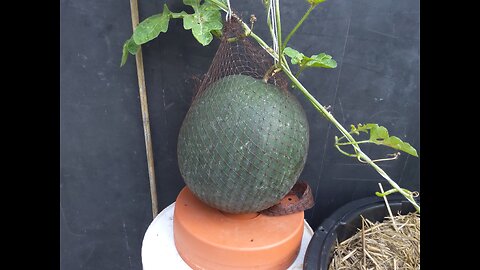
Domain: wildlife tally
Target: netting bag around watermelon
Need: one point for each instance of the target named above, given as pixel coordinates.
(244, 142)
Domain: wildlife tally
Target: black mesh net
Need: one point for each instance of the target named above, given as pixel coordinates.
(239, 55)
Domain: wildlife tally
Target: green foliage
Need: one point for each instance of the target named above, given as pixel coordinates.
(379, 135)
(151, 27)
(321, 60)
(129, 47)
(296, 57)
(317, 60)
(205, 20)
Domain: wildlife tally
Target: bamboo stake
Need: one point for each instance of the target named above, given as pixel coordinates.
(145, 117)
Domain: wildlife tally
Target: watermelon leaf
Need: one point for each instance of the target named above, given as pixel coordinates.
(379, 136)
(128, 47)
(151, 27)
(207, 18)
(296, 57)
(321, 60)
(205, 22)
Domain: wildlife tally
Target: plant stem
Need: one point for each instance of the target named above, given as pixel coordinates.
(302, 68)
(388, 192)
(285, 60)
(349, 143)
(381, 159)
(263, 44)
(345, 153)
(357, 149)
(320, 107)
(249, 32)
(305, 16)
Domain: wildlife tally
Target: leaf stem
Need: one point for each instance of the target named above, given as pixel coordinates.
(395, 156)
(345, 153)
(388, 192)
(356, 142)
(302, 68)
(289, 36)
(249, 32)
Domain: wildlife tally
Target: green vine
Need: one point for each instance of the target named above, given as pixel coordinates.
(206, 22)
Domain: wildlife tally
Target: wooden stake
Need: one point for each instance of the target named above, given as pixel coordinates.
(146, 119)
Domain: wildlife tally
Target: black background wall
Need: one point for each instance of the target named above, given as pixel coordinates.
(105, 204)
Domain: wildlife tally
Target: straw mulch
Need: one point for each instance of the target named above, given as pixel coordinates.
(390, 245)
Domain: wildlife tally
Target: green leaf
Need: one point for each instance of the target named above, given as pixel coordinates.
(207, 18)
(379, 135)
(132, 47)
(321, 60)
(354, 130)
(218, 4)
(124, 54)
(151, 27)
(206, 21)
(362, 128)
(209, 5)
(317, 60)
(128, 47)
(396, 143)
(296, 56)
(178, 15)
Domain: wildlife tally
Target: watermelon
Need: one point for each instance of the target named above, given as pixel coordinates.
(242, 144)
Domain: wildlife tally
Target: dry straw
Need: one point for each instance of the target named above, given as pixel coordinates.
(381, 246)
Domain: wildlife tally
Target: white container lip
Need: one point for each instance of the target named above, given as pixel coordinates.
(159, 252)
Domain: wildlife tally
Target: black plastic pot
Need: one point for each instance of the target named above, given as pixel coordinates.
(344, 223)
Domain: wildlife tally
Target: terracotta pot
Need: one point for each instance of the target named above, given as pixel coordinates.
(207, 238)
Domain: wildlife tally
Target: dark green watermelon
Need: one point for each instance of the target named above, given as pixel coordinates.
(243, 144)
